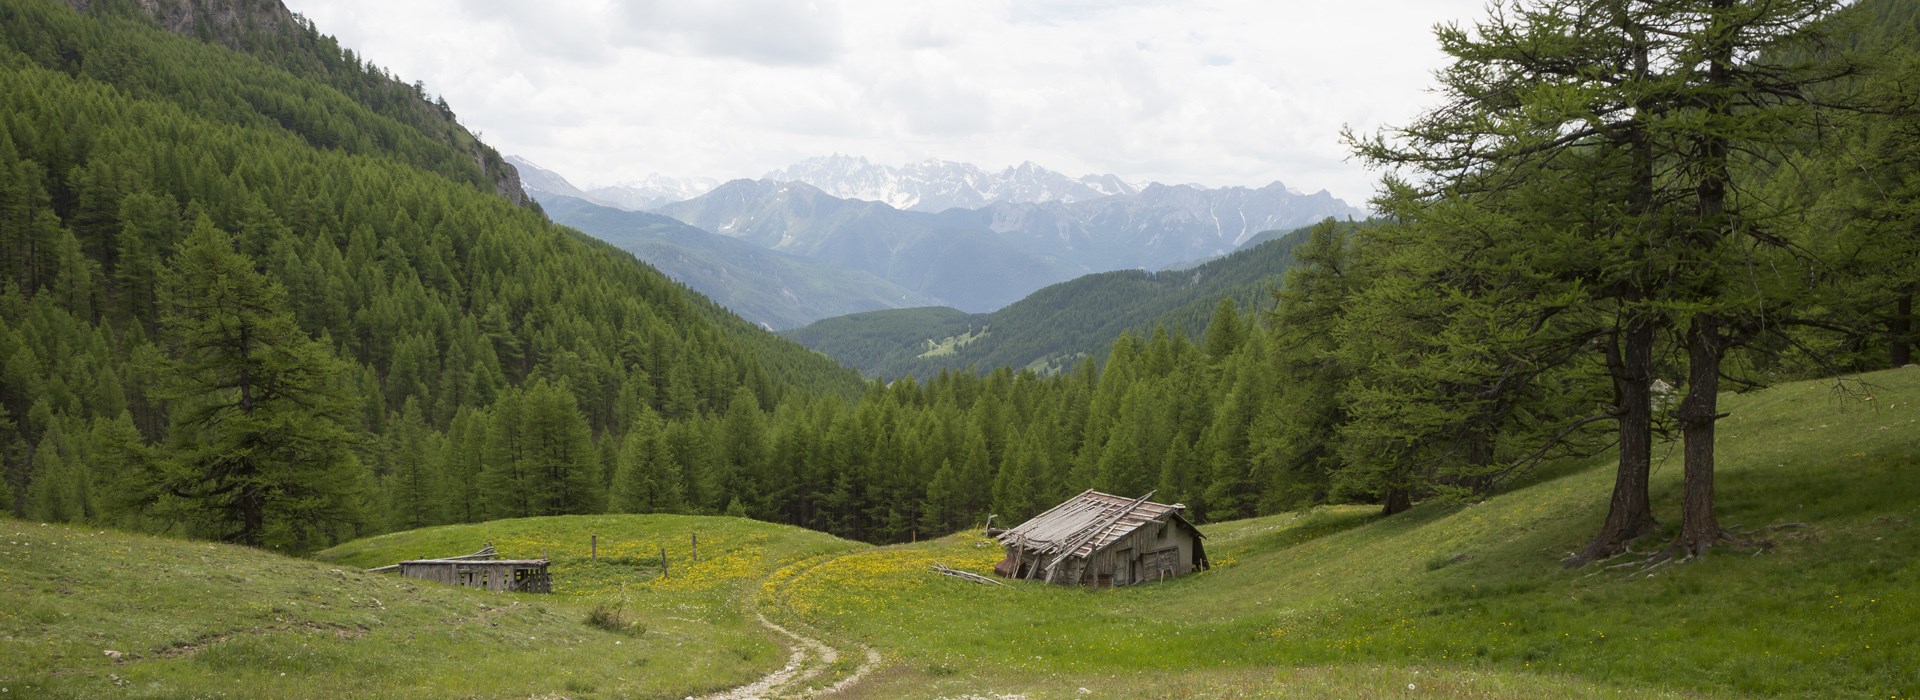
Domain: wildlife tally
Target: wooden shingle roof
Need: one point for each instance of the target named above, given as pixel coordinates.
(1087, 523)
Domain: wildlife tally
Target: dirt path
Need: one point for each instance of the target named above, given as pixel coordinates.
(807, 659)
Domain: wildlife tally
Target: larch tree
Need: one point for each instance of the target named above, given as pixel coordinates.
(1295, 439)
(1660, 97)
(259, 451)
(1745, 76)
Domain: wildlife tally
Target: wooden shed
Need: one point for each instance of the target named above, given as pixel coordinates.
(479, 570)
(517, 575)
(1099, 539)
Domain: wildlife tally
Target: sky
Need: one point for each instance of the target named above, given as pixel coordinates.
(1217, 93)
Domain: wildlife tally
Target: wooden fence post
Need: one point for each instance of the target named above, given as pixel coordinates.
(696, 548)
(593, 548)
(663, 561)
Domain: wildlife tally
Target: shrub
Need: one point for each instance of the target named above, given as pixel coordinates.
(612, 619)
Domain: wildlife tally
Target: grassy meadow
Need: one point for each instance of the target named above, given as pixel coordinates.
(192, 619)
(1461, 601)
(1457, 601)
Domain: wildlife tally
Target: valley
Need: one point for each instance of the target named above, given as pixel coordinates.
(1028, 228)
(1455, 600)
(1607, 392)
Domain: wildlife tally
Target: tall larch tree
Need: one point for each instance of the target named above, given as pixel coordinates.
(259, 449)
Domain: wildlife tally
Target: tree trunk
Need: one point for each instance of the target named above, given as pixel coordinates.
(1630, 512)
(1398, 501)
(1630, 356)
(1698, 414)
(1900, 330)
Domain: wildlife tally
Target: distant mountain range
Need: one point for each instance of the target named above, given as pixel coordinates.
(994, 239)
(1055, 327)
(1157, 227)
(938, 185)
(653, 191)
(971, 268)
(770, 288)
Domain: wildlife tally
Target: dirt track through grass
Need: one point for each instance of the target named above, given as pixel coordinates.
(808, 659)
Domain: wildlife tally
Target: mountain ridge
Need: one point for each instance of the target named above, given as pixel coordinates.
(970, 268)
(1056, 326)
(935, 185)
(772, 289)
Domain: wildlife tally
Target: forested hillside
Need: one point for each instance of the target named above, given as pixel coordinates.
(1056, 327)
(210, 320)
(238, 298)
(415, 129)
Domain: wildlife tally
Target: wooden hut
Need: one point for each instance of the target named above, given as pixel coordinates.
(481, 569)
(517, 575)
(1099, 539)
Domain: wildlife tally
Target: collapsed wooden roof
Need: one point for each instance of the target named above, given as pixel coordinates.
(1089, 522)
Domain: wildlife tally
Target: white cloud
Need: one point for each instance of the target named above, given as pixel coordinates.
(1222, 92)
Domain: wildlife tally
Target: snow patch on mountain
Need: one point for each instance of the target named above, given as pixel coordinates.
(652, 191)
(937, 185)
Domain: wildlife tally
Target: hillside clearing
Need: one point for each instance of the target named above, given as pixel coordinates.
(1444, 601)
(1361, 603)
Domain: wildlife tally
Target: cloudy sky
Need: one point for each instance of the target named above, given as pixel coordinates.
(1223, 92)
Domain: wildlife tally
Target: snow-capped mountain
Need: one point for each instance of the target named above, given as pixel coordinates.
(938, 185)
(1158, 226)
(537, 180)
(969, 238)
(652, 191)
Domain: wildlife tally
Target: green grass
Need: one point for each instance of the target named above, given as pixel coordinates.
(193, 619)
(1473, 598)
(951, 345)
(1443, 601)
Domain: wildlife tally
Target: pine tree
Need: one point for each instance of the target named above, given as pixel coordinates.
(648, 479)
(259, 448)
(1295, 441)
(149, 226)
(561, 462)
(58, 492)
(506, 483)
(743, 447)
(463, 456)
(1225, 332)
(416, 488)
(1014, 489)
(945, 500)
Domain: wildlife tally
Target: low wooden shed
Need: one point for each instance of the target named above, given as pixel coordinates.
(1099, 539)
(480, 569)
(517, 575)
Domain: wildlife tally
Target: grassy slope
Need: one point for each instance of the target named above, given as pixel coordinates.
(1454, 601)
(197, 619)
(1367, 606)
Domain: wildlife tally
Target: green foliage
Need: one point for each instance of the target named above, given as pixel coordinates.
(612, 618)
(1056, 327)
(384, 282)
(648, 478)
(1462, 601)
(259, 444)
